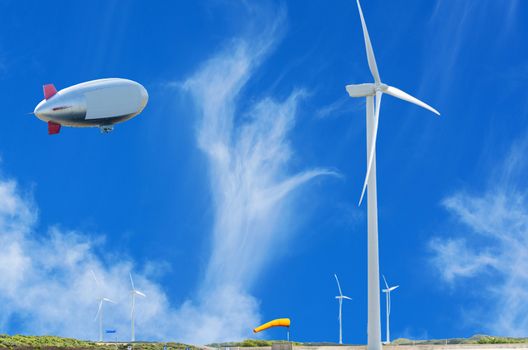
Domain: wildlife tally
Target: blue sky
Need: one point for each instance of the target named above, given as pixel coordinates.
(233, 196)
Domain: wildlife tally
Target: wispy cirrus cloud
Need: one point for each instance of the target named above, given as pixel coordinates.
(490, 249)
(339, 107)
(454, 28)
(249, 156)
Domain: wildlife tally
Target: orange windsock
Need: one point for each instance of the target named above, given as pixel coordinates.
(279, 322)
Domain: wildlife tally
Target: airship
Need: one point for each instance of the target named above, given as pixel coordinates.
(98, 103)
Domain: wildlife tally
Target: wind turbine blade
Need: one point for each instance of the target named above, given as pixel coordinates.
(139, 293)
(345, 297)
(109, 300)
(372, 144)
(338, 285)
(386, 284)
(99, 309)
(95, 278)
(131, 281)
(368, 46)
(391, 90)
(393, 288)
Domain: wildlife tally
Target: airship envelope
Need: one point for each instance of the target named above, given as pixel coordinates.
(99, 103)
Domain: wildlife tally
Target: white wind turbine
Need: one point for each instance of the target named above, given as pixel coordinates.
(387, 292)
(371, 90)
(100, 309)
(133, 293)
(340, 297)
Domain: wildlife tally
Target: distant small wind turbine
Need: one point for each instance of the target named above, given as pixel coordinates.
(133, 293)
(387, 292)
(340, 297)
(100, 309)
(373, 93)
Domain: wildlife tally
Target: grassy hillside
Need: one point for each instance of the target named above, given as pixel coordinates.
(476, 339)
(249, 343)
(23, 342)
(486, 339)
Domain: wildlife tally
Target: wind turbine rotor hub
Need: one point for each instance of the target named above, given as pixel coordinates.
(381, 87)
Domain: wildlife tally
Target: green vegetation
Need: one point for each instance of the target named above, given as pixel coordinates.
(30, 342)
(250, 343)
(405, 341)
(476, 339)
(486, 339)
(24, 342)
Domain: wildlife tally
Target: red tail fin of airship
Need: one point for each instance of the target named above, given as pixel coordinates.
(53, 128)
(49, 91)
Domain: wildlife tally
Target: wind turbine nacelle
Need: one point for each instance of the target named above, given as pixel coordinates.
(361, 90)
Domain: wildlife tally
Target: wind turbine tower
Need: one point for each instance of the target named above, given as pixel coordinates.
(340, 297)
(387, 292)
(100, 309)
(373, 93)
(134, 292)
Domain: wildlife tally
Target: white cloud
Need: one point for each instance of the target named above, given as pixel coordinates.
(491, 250)
(447, 49)
(340, 106)
(451, 255)
(249, 155)
(45, 279)
(46, 287)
